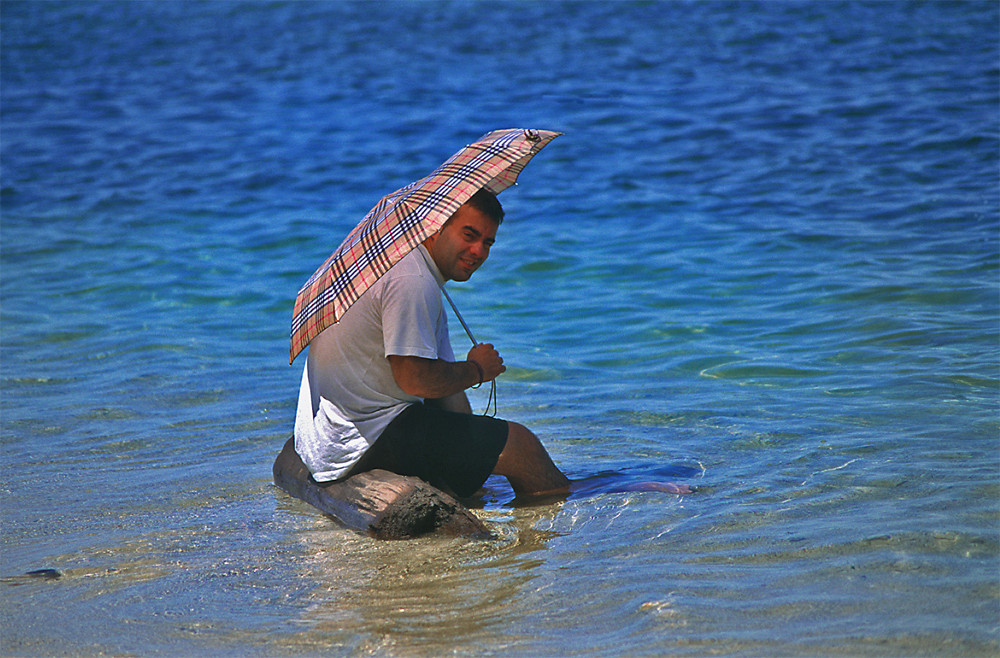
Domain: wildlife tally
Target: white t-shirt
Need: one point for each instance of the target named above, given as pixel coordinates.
(348, 394)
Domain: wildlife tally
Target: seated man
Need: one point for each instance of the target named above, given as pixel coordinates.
(382, 389)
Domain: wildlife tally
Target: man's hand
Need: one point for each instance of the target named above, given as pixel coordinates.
(488, 359)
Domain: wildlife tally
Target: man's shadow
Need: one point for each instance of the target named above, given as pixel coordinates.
(667, 479)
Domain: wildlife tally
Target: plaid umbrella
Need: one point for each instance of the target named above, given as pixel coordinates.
(404, 219)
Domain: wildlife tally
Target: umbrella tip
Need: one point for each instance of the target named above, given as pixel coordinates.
(531, 135)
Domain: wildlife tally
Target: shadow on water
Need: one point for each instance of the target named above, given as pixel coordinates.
(669, 479)
(628, 480)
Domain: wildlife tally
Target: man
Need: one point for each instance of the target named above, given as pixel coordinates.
(382, 388)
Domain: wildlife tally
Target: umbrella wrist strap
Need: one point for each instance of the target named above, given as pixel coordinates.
(493, 382)
(492, 400)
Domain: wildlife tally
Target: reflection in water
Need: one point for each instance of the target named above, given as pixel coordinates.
(418, 595)
(435, 595)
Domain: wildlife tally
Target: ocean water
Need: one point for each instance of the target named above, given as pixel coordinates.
(762, 261)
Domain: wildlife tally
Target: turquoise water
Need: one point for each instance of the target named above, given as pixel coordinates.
(763, 260)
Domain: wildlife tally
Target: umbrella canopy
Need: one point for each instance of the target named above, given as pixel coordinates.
(404, 219)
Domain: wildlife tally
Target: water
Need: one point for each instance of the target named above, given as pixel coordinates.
(763, 261)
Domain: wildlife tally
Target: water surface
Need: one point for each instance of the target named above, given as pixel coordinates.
(763, 261)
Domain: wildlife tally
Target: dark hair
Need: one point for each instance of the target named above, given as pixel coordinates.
(486, 202)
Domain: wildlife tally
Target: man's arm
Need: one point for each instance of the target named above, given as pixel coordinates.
(432, 378)
(436, 379)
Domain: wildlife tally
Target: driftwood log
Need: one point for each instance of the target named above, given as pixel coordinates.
(384, 504)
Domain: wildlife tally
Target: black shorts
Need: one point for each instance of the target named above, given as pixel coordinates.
(451, 451)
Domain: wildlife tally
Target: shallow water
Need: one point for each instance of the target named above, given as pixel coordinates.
(762, 261)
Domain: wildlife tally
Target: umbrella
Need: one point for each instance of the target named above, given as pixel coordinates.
(402, 220)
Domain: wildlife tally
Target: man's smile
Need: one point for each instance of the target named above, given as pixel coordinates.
(463, 244)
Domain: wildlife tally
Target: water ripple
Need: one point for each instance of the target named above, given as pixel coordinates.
(762, 260)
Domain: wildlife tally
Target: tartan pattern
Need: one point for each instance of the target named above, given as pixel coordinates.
(402, 220)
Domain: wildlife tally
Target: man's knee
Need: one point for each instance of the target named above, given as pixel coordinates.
(521, 443)
(518, 436)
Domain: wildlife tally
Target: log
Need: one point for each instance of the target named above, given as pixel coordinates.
(383, 504)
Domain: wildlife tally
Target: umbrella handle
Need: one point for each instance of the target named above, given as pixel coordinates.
(459, 316)
(493, 382)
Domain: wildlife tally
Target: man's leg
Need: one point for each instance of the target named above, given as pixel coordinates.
(526, 464)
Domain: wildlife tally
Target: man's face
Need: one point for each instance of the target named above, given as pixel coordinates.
(463, 244)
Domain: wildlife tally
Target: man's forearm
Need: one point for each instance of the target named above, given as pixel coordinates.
(433, 378)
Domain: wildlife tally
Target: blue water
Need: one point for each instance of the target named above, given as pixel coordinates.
(763, 261)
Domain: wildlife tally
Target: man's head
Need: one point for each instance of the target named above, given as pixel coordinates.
(487, 203)
(463, 243)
